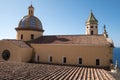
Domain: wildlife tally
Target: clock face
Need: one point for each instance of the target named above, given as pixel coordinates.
(6, 54)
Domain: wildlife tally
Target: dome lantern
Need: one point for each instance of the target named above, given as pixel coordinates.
(31, 10)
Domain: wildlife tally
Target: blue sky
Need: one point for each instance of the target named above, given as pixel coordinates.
(62, 17)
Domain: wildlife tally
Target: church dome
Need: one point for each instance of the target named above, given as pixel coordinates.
(30, 22)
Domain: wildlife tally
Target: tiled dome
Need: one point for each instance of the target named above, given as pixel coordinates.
(31, 22)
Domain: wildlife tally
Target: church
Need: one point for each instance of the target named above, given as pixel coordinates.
(30, 45)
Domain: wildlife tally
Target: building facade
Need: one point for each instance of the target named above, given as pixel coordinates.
(91, 49)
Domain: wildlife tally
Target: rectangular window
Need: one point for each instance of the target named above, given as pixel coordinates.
(37, 58)
(21, 36)
(97, 62)
(80, 60)
(92, 32)
(64, 59)
(50, 59)
(32, 36)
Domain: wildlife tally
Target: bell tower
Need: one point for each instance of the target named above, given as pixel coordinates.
(91, 25)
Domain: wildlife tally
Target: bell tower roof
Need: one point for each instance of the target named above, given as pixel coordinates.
(92, 25)
(91, 18)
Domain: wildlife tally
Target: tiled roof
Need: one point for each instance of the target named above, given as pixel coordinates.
(72, 39)
(18, 43)
(92, 18)
(27, 71)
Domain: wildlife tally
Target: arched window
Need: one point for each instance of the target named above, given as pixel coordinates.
(97, 62)
(21, 36)
(37, 58)
(50, 59)
(64, 60)
(91, 26)
(92, 33)
(79, 60)
(32, 36)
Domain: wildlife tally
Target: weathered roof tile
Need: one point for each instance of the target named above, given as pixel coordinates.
(72, 39)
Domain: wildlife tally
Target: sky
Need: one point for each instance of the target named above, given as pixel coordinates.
(62, 17)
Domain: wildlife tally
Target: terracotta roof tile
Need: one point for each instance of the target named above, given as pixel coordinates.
(27, 71)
